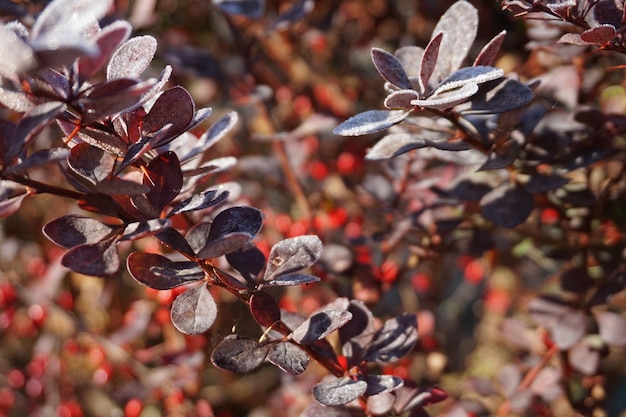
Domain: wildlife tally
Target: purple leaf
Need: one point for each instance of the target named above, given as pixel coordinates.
(175, 107)
(488, 54)
(172, 238)
(429, 61)
(249, 262)
(264, 309)
(358, 333)
(288, 357)
(73, 230)
(223, 245)
(320, 325)
(194, 311)
(239, 354)
(11, 196)
(396, 339)
(599, 35)
(96, 259)
(390, 68)
(507, 205)
(90, 163)
(33, 122)
(164, 177)
(200, 201)
(498, 96)
(216, 132)
(291, 255)
(40, 158)
(158, 272)
(132, 58)
(540, 183)
(243, 219)
(339, 391)
(110, 98)
(138, 230)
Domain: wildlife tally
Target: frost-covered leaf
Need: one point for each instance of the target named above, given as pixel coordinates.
(401, 99)
(158, 272)
(459, 25)
(291, 255)
(390, 68)
(471, 75)
(200, 201)
(320, 325)
(194, 311)
(73, 230)
(239, 354)
(107, 40)
(371, 121)
(394, 340)
(339, 391)
(448, 98)
(17, 55)
(377, 384)
(292, 279)
(288, 357)
(132, 58)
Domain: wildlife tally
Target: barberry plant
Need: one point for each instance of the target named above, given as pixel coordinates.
(500, 170)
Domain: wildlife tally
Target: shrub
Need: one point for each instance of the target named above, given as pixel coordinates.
(486, 198)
